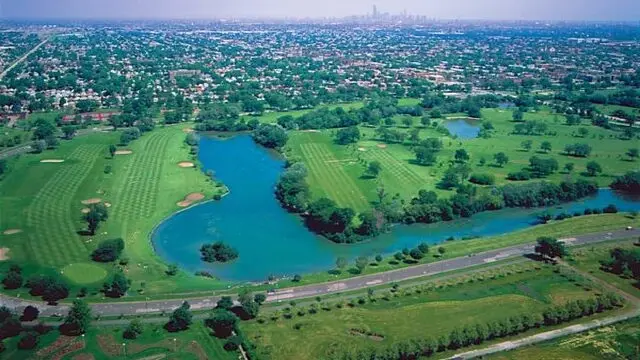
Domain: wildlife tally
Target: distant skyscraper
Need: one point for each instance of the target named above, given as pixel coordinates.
(375, 11)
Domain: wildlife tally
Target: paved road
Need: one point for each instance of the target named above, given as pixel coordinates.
(23, 58)
(356, 283)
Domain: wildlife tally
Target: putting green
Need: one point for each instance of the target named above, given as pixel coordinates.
(84, 273)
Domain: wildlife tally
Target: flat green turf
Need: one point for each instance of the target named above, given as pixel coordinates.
(413, 316)
(84, 273)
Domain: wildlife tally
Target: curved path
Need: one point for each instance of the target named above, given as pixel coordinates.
(356, 283)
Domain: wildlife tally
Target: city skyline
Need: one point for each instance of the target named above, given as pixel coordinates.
(569, 10)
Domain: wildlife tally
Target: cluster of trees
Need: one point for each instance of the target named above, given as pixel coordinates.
(479, 333)
(270, 136)
(427, 150)
(629, 182)
(180, 319)
(623, 262)
(218, 252)
(129, 134)
(117, 286)
(228, 125)
(578, 150)
(530, 127)
(537, 194)
(482, 179)
(13, 279)
(108, 250)
(292, 189)
(540, 167)
(11, 326)
(551, 248)
(51, 289)
(349, 135)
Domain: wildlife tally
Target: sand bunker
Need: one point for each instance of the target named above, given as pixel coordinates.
(311, 131)
(362, 149)
(188, 130)
(186, 164)
(382, 146)
(123, 152)
(92, 201)
(107, 204)
(85, 210)
(3, 254)
(12, 231)
(52, 161)
(190, 199)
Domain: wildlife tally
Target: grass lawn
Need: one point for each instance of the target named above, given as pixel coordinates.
(107, 343)
(84, 273)
(44, 200)
(619, 341)
(412, 315)
(587, 259)
(336, 171)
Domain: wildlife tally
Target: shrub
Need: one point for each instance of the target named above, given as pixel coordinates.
(482, 179)
(108, 250)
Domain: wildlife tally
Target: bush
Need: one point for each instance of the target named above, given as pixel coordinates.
(610, 209)
(519, 176)
(482, 179)
(108, 250)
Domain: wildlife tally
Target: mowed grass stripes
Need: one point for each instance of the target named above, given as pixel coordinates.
(328, 172)
(52, 216)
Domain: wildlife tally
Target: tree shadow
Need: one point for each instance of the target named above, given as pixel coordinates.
(84, 233)
(334, 272)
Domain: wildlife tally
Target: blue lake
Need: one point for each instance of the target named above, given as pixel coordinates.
(273, 242)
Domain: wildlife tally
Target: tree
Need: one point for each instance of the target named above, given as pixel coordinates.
(69, 131)
(416, 254)
(222, 322)
(270, 136)
(97, 213)
(78, 319)
(133, 330)
(108, 250)
(545, 146)
(361, 263)
(172, 269)
(341, 263)
(633, 154)
(28, 341)
(43, 129)
(112, 150)
(348, 135)
(462, 155)
(501, 159)
(543, 167)
(180, 319)
(550, 247)
(117, 286)
(583, 132)
(4, 167)
(518, 115)
(30, 313)
(425, 156)
(593, 168)
(374, 169)
(577, 150)
(425, 120)
(407, 121)
(12, 280)
(260, 298)
(218, 252)
(225, 302)
(527, 145)
(568, 167)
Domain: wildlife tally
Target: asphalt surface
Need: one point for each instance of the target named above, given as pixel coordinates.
(356, 283)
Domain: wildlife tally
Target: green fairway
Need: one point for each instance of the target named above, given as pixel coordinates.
(416, 315)
(45, 200)
(84, 273)
(336, 171)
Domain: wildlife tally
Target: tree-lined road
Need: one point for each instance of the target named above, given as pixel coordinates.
(356, 283)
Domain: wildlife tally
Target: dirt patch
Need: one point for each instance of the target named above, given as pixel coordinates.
(11, 231)
(52, 161)
(85, 210)
(382, 146)
(108, 345)
(190, 199)
(92, 201)
(77, 346)
(186, 164)
(3, 254)
(61, 342)
(362, 149)
(123, 152)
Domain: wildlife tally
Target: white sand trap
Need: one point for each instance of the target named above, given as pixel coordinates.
(186, 164)
(107, 204)
(188, 130)
(11, 231)
(312, 131)
(382, 146)
(123, 152)
(92, 201)
(52, 161)
(85, 210)
(3, 254)
(362, 149)
(190, 199)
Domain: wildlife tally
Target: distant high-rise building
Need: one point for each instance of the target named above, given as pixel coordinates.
(375, 11)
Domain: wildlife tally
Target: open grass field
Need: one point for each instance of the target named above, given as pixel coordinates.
(105, 343)
(588, 260)
(336, 171)
(615, 342)
(410, 315)
(44, 201)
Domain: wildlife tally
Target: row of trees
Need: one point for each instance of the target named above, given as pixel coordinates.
(477, 334)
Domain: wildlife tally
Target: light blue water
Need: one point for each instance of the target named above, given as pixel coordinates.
(463, 129)
(273, 242)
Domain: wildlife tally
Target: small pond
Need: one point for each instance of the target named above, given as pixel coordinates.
(273, 242)
(463, 128)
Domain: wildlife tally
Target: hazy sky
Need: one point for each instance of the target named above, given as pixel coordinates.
(447, 9)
